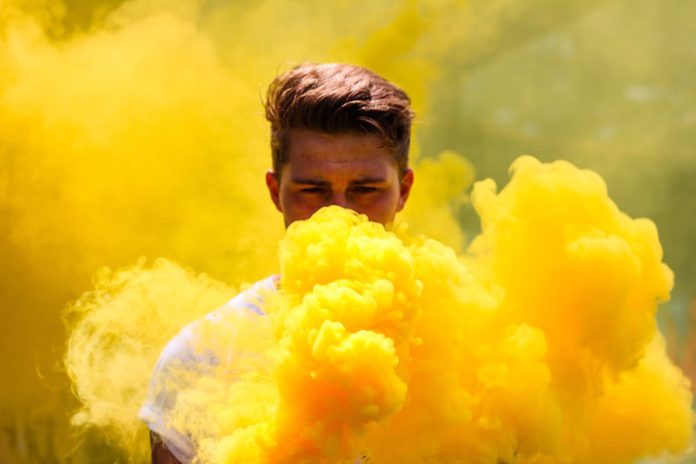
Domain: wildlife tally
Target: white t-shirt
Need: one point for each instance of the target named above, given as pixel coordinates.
(179, 356)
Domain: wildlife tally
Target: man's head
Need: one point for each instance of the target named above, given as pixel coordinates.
(340, 134)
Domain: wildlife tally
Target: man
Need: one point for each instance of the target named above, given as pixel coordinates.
(340, 135)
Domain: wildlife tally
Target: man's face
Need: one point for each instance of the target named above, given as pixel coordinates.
(353, 170)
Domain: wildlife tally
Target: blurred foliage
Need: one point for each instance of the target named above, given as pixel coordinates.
(606, 87)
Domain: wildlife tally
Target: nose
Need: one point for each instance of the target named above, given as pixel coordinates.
(340, 199)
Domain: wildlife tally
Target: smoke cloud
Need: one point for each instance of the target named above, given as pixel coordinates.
(134, 129)
(529, 348)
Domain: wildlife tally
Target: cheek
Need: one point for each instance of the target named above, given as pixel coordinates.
(381, 208)
(300, 206)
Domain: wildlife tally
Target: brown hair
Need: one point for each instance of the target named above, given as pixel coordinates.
(335, 98)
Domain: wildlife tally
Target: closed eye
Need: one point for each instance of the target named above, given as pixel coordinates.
(364, 189)
(312, 190)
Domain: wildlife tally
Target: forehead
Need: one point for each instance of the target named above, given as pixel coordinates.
(324, 155)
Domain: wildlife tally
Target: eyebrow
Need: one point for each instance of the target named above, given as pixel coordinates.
(299, 180)
(319, 182)
(368, 180)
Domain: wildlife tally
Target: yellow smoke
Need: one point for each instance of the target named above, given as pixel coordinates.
(538, 345)
(118, 330)
(134, 128)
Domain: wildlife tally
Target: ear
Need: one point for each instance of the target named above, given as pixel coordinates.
(273, 184)
(405, 188)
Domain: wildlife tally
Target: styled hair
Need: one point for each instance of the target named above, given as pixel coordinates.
(336, 98)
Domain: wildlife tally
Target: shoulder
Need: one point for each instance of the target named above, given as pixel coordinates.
(199, 349)
(193, 347)
(250, 299)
